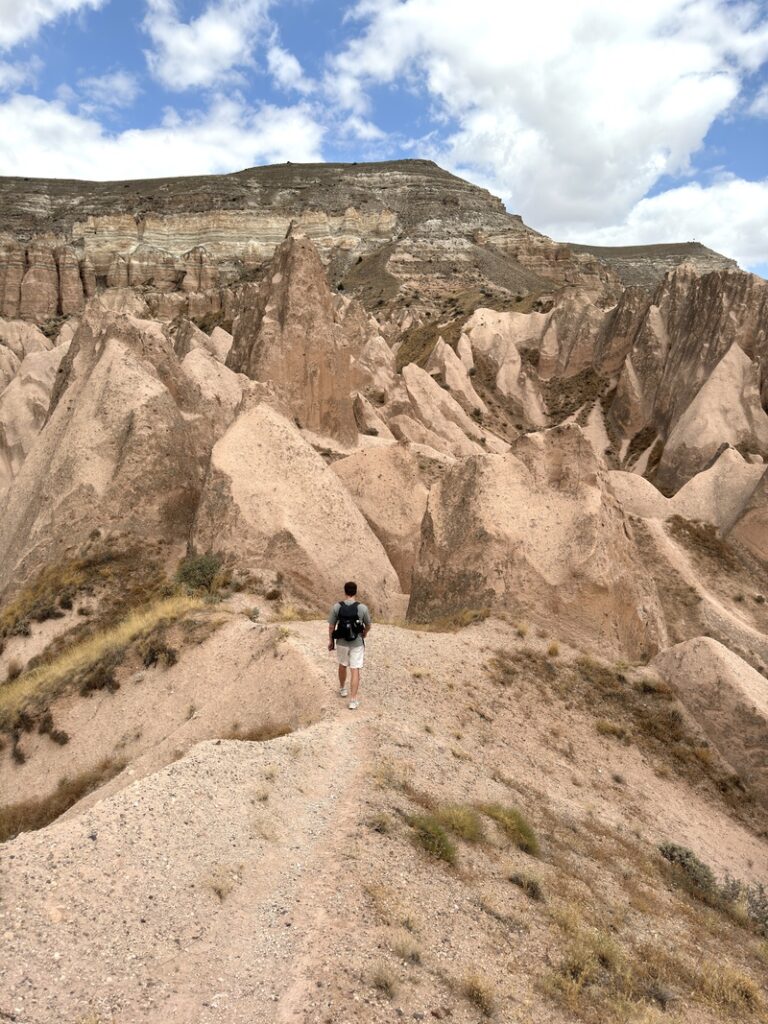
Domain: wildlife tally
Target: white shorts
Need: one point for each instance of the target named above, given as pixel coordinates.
(350, 657)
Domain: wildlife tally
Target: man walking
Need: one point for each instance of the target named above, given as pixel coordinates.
(348, 625)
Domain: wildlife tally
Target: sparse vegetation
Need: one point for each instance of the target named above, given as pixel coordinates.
(479, 992)
(462, 821)
(606, 728)
(745, 904)
(380, 822)
(384, 981)
(90, 663)
(155, 651)
(554, 649)
(531, 886)
(431, 836)
(199, 572)
(405, 946)
(30, 815)
(13, 670)
(514, 826)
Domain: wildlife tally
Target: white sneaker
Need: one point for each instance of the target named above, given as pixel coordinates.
(354, 705)
(343, 692)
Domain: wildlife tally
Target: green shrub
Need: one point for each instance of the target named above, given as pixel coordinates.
(694, 874)
(198, 572)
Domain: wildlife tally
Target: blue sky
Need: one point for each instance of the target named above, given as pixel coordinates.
(595, 121)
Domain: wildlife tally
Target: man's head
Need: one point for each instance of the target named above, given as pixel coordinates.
(350, 589)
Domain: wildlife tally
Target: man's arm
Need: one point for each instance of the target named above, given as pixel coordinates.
(366, 623)
(333, 618)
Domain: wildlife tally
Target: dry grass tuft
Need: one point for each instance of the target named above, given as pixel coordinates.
(463, 821)
(531, 886)
(479, 992)
(405, 946)
(384, 981)
(730, 989)
(606, 728)
(514, 825)
(431, 836)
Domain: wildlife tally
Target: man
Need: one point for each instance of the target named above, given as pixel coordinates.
(348, 625)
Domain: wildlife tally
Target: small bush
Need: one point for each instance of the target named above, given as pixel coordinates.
(383, 980)
(380, 822)
(530, 886)
(463, 821)
(274, 594)
(60, 737)
(606, 728)
(153, 651)
(432, 837)
(731, 989)
(198, 572)
(514, 826)
(404, 946)
(45, 613)
(479, 993)
(65, 602)
(554, 649)
(45, 724)
(13, 669)
(694, 875)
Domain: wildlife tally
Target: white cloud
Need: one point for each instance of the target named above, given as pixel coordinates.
(12, 76)
(112, 90)
(360, 128)
(21, 19)
(287, 71)
(730, 216)
(570, 109)
(205, 50)
(759, 105)
(43, 139)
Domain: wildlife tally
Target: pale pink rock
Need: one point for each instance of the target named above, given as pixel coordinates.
(40, 285)
(71, 293)
(291, 332)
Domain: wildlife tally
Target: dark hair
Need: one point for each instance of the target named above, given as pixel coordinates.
(350, 589)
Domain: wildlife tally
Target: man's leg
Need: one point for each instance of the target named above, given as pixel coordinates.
(355, 672)
(342, 653)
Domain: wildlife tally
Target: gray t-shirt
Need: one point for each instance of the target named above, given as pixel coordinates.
(363, 614)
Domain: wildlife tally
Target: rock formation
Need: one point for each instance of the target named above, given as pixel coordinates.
(728, 699)
(535, 528)
(272, 502)
(291, 332)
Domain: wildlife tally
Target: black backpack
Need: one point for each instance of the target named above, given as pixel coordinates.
(348, 624)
